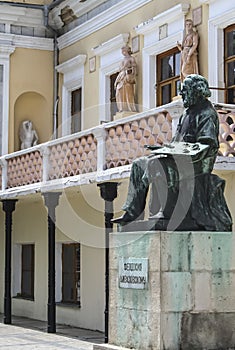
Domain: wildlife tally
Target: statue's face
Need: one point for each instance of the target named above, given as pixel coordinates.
(28, 124)
(187, 93)
(192, 92)
(125, 51)
(188, 26)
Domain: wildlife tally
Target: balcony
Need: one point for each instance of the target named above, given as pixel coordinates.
(103, 153)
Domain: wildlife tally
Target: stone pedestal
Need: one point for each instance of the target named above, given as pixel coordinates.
(189, 299)
(177, 98)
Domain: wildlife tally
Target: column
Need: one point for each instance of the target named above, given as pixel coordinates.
(108, 191)
(51, 200)
(8, 208)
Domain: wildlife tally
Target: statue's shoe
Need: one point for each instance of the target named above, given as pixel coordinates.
(123, 219)
(157, 216)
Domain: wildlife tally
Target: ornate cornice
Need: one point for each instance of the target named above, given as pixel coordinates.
(6, 50)
(71, 64)
(101, 20)
(27, 42)
(79, 9)
(115, 43)
(167, 16)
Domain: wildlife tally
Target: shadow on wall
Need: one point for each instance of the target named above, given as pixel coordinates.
(34, 107)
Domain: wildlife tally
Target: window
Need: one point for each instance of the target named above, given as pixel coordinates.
(168, 76)
(76, 107)
(71, 273)
(73, 82)
(27, 271)
(113, 106)
(229, 64)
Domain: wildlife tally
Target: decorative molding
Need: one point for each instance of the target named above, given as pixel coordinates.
(101, 20)
(27, 42)
(135, 44)
(115, 43)
(165, 17)
(224, 19)
(71, 64)
(92, 64)
(6, 51)
(197, 16)
(162, 45)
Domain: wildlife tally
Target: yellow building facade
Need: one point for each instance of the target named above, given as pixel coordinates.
(58, 62)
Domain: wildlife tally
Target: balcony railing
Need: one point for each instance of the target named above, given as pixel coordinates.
(104, 148)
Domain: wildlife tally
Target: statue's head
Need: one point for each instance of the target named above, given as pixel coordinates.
(189, 23)
(126, 49)
(27, 124)
(194, 90)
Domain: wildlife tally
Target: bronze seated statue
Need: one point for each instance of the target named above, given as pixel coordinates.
(185, 195)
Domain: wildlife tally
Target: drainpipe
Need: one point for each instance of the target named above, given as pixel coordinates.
(47, 9)
(55, 74)
(54, 4)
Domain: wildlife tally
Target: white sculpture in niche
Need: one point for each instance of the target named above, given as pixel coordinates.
(28, 135)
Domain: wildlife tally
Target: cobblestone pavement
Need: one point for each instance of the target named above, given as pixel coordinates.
(20, 338)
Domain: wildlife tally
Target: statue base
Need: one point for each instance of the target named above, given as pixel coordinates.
(188, 288)
(124, 114)
(158, 225)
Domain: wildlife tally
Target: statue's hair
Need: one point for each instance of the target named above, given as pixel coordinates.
(189, 20)
(199, 85)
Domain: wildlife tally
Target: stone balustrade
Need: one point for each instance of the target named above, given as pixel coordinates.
(24, 169)
(104, 148)
(227, 131)
(125, 142)
(74, 157)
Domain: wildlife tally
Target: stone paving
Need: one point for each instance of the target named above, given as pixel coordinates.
(18, 337)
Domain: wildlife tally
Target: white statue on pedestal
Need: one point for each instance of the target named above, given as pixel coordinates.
(28, 135)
